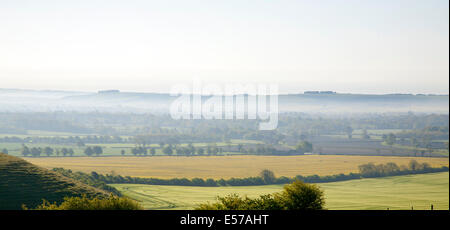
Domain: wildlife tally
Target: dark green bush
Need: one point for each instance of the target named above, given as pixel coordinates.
(295, 196)
(85, 203)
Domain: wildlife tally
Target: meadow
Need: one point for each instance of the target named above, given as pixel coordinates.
(218, 167)
(399, 192)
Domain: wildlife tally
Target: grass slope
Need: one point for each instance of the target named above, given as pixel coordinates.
(399, 192)
(24, 183)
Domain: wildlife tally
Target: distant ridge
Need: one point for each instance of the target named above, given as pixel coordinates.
(24, 183)
(114, 100)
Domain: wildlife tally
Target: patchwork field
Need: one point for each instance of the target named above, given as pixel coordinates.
(400, 192)
(223, 166)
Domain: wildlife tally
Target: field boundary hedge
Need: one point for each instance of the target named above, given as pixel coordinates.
(366, 171)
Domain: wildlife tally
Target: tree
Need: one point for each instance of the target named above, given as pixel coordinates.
(48, 151)
(365, 134)
(304, 147)
(200, 151)
(122, 152)
(349, 131)
(36, 152)
(414, 165)
(168, 150)
(64, 151)
(302, 196)
(5, 151)
(415, 144)
(391, 139)
(152, 151)
(70, 152)
(384, 137)
(135, 151)
(190, 150)
(88, 151)
(97, 150)
(239, 146)
(268, 176)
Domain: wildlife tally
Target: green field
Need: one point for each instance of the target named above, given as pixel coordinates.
(400, 192)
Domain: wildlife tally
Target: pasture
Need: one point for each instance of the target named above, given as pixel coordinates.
(399, 192)
(223, 166)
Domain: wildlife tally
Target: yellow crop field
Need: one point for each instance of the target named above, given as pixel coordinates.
(223, 166)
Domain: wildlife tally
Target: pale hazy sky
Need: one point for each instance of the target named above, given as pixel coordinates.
(379, 46)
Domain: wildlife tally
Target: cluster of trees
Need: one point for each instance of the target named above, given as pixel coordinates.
(91, 203)
(392, 169)
(138, 151)
(267, 177)
(295, 196)
(94, 150)
(190, 150)
(304, 147)
(152, 128)
(429, 132)
(89, 179)
(390, 139)
(49, 151)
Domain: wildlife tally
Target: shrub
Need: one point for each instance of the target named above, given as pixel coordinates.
(301, 196)
(295, 196)
(85, 203)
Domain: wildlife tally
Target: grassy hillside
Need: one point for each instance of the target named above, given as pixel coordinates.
(224, 166)
(24, 183)
(399, 192)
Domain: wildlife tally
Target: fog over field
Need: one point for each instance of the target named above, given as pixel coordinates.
(292, 104)
(15, 100)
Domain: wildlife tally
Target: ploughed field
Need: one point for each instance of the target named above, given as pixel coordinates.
(397, 192)
(218, 167)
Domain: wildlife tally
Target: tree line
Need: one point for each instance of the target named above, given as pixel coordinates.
(49, 151)
(267, 177)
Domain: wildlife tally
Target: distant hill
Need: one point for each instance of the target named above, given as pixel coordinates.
(24, 183)
(15, 100)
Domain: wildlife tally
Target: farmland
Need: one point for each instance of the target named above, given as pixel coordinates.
(399, 192)
(223, 166)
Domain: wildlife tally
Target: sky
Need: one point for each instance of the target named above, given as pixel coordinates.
(395, 46)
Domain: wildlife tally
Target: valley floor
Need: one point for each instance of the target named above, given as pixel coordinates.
(399, 192)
